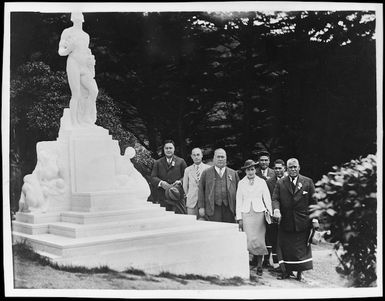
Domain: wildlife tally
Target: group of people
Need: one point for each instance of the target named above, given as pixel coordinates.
(270, 205)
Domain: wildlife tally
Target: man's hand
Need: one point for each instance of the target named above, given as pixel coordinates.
(277, 215)
(177, 182)
(315, 224)
(240, 224)
(164, 185)
(202, 212)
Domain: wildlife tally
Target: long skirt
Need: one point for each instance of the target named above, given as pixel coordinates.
(254, 226)
(293, 252)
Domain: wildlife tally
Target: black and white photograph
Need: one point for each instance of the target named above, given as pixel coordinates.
(208, 150)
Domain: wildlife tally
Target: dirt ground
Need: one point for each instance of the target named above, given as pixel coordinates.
(31, 275)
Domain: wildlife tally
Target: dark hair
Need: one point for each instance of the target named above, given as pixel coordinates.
(168, 141)
(263, 153)
(279, 161)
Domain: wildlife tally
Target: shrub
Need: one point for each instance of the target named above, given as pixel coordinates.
(347, 202)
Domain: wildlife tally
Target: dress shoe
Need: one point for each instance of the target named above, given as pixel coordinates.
(259, 271)
(285, 275)
(300, 276)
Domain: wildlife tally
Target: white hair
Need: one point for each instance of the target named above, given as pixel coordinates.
(292, 160)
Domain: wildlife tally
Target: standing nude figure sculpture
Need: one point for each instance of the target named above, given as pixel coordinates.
(74, 43)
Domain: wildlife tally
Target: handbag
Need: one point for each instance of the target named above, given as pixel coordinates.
(268, 217)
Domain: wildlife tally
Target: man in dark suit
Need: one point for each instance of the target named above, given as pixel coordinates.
(291, 199)
(217, 190)
(167, 171)
(263, 169)
(272, 229)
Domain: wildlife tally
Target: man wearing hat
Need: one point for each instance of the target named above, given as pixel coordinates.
(217, 190)
(263, 170)
(167, 172)
(191, 178)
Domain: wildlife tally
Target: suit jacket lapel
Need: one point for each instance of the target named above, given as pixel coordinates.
(169, 166)
(164, 162)
(228, 182)
(288, 184)
(299, 184)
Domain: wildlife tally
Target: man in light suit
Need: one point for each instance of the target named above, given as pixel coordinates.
(167, 171)
(192, 175)
(263, 170)
(217, 190)
(291, 199)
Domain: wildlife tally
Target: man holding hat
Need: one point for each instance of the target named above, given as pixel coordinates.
(263, 170)
(217, 190)
(168, 171)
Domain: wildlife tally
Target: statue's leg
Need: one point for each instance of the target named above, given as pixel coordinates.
(90, 85)
(73, 75)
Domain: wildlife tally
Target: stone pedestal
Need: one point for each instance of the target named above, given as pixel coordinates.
(100, 215)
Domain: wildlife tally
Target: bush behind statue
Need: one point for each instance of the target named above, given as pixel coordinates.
(347, 203)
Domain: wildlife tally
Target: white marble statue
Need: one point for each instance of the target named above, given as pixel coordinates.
(74, 43)
(128, 177)
(44, 182)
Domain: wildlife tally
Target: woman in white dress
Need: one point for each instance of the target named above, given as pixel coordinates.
(253, 198)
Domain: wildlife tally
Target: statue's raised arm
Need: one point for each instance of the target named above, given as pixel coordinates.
(66, 44)
(74, 43)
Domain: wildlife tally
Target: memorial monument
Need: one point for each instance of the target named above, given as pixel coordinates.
(86, 205)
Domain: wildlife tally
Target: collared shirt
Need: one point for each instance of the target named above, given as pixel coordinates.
(220, 171)
(264, 172)
(169, 160)
(294, 181)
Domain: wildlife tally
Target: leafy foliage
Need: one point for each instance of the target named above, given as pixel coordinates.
(347, 202)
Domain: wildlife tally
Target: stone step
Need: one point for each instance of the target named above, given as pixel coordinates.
(130, 225)
(105, 201)
(69, 247)
(37, 218)
(31, 229)
(213, 256)
(146, 210)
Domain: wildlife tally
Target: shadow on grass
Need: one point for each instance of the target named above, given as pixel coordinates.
(234, 281)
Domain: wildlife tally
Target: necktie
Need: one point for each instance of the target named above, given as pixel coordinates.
(221, 172)
(198, 173)
(292, 183)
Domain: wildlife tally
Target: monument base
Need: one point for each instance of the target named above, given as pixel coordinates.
(144, 237)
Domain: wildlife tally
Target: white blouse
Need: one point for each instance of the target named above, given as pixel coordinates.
(251, 196)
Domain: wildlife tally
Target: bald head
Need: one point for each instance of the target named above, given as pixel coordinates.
(220, 158)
